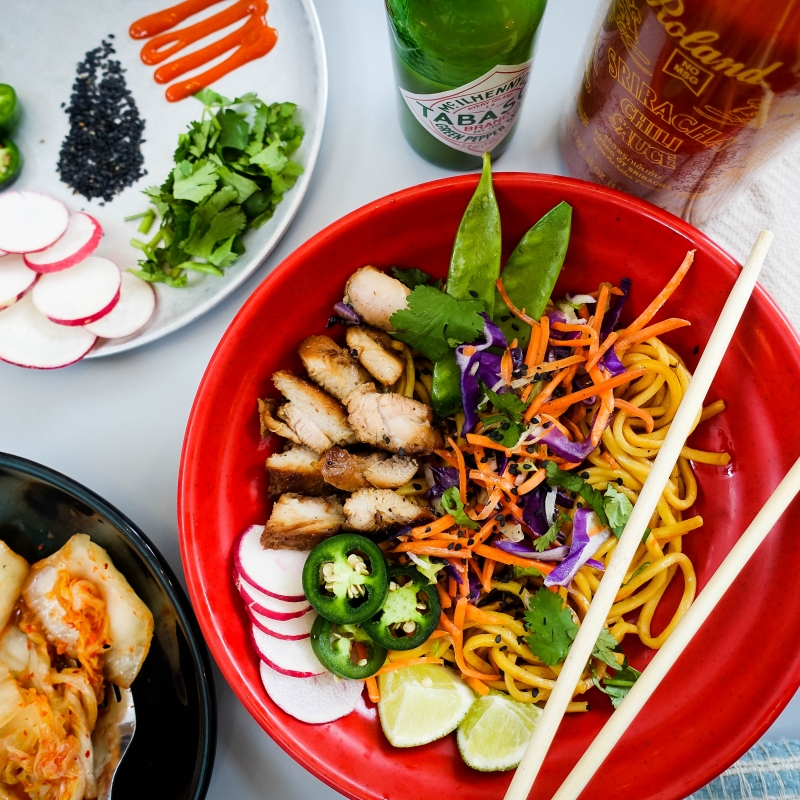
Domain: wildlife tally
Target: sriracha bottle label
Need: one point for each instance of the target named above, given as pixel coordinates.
(476, 117)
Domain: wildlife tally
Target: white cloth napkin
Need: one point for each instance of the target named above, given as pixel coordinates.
(771, 202)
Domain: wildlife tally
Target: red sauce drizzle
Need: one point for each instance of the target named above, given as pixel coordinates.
(253, 40)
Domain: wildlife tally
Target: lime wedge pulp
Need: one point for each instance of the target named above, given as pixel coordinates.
(496, 731)
(421, 703)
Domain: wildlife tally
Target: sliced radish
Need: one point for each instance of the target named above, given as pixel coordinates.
(29, 339)
(320, 699)
(295, 628)
(137, 301)
(81, 294)
(15, 279)
(269, 606)
(79, 241)
(275, 572)
(30, 221)
(289, 656)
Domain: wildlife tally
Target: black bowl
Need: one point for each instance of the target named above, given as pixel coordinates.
(172, 753)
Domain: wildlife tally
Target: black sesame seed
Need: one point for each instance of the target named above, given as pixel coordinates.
(450, 546)
(484, 459)
(505, 318)
(505, 426)
(401, 452)
(579, 505)
(473, 293)
(515, 326)
(501, 519)
(428, 529)
(514, 491)
(584, 475)
(101, 154)
(459, 546)
(416, 486)
(470, 542)
(619, 481)
(498, 638)
(547, 425)
(386, 439)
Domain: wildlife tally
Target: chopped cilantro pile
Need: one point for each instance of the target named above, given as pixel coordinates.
(509, 419)
(232, 168)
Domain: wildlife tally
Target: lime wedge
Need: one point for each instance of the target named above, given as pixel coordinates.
(496, 731)
(421, 703)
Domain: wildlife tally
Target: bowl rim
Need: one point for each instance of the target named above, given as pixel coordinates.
(186, 617)
(293, 261)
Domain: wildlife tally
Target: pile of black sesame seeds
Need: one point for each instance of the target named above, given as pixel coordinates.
(101, 154)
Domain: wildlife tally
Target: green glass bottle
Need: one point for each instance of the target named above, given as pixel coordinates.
(462, 67)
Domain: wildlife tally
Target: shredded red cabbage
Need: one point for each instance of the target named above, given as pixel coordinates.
(583, 547)
(524, 549)
(611, 317)
(611, 363)
(453, 573)
(477, 367)
(345, 315)
(445, 477)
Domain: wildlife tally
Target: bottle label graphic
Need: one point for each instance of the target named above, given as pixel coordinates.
(475, 117)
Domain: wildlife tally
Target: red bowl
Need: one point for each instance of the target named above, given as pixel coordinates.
(740, 670)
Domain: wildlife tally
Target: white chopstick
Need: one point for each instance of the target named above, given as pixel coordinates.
(680, 428)
(706, 602)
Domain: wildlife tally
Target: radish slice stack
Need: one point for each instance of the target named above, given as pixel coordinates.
(71, 297)
(270, 583)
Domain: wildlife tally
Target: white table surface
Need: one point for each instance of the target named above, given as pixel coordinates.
(116, 424)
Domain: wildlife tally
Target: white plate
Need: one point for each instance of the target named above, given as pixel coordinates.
(39, 58)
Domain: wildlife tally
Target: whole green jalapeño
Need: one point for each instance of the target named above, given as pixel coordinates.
(345, 578)
(411, 611)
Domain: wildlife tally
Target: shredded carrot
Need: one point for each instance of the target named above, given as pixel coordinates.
(463, 587)
(583, 312)
(665, 326)
(611, 461)
(451, 587)
(484, 532)
(543, 339)
(458, 651)
(586, 341)
(600, 309)
(424, 549)
(410, 662)
(661, 297)
(511, 307)
(485, 441)
(531, 483)
(602, 350)
(488, 571)
(635, 411)
(444, 598)
(544, 395)
(479, 686)
(483, 617)
(441, 524)
(460, 613)
(447, 625)
(533, 346)
(437, 634)
(462, 470)
(562, 362)
(372, 689)
(416, 545)
(360, 650)
(503, 481)
(574, 430)
(603, 386)
(506, 367)
(506, 558)
(443, 454)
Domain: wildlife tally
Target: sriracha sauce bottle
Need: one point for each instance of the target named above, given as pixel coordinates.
(681, 101)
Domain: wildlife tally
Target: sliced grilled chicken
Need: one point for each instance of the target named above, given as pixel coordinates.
(331, 366)
(297, 469)
(298, 522)
(375, 296)
(352, 471)
(317, 420)
(381, 509)
(267, 409)
(392, 422)
(391, 473)
(373, 348)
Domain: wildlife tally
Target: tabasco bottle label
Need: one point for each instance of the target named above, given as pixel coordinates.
(476, 117)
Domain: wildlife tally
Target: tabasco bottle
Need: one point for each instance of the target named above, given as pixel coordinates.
(681, 101)
(461, 67)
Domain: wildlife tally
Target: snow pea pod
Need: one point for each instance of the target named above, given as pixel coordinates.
(532, 270)
(474, 267)
(475, 261)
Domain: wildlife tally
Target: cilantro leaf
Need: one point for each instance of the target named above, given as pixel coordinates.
(208, 97)
(271, 157)
(638, 571)
(551, 627)
(195, 181)
(618, 686)
(214, 221)
(508, 434)
(412, 277)
(574, 483)
(508, 403)
(618, 508)
(234, 129)
(544, 541)
(244, 186)
(605, 647)
(451, 503)
(434, 320)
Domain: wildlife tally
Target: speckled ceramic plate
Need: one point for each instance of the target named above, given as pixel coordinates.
(38, 56)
